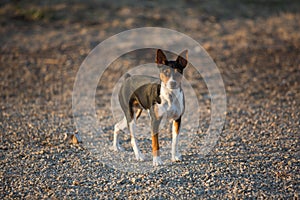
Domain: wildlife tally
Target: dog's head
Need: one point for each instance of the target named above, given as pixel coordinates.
(171, 72)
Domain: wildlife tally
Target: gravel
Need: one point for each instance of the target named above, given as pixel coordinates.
(256, 47)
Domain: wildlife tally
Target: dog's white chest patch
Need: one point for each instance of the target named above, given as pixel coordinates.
(172, 103)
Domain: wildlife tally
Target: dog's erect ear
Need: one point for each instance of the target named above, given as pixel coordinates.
(160, 57)
(182, 58)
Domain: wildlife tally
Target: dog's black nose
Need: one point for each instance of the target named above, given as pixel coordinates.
(173, 84)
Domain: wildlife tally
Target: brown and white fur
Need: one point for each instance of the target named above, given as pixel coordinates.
(164, 98)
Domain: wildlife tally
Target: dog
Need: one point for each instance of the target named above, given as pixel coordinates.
(161, 96)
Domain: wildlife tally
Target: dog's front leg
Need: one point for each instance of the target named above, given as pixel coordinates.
(155, 144)
(176, 156)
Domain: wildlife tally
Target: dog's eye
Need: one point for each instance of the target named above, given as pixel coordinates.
(166, 72)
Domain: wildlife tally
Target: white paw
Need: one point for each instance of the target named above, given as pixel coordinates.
(117, 148)
(177, 158)
(140, 157)
(157, 161)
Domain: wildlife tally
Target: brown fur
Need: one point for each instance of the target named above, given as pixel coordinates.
(155, 145)
(163, 78)
(176, 125)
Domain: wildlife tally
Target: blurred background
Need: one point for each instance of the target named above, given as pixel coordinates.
(44, 42)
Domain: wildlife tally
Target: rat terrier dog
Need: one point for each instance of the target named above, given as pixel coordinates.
(160, 97)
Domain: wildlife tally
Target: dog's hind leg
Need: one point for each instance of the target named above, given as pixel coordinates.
(120, 126)
(132, 128)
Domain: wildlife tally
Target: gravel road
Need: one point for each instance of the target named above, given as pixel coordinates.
(255, 44)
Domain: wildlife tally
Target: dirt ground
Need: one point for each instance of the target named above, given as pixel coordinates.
(255, 44)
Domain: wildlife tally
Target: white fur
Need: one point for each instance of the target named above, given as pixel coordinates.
(120, 126)
(157, 161)
(176, 156)
(132, 127)
(171, 102)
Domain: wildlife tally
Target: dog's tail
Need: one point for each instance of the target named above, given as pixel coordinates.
(126, 76)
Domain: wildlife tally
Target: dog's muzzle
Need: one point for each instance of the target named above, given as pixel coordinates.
(173, 85)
